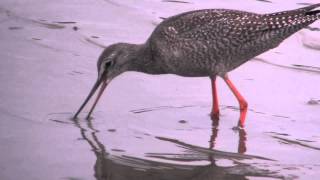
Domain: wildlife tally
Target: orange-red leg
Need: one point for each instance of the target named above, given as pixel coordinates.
(242, 102)
(215, 103)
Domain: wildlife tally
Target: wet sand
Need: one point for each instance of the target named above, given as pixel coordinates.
(149, 127)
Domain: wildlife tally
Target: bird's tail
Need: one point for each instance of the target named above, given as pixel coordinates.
(294, 19)
(315, 12)
(312, 10)
(308, 10)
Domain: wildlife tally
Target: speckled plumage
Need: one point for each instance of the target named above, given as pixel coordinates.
(208, 42)
(215, 41)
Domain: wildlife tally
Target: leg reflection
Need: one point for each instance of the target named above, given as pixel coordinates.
(214, 134)
(242, 148)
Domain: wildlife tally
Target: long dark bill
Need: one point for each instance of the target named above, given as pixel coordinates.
(93, 90)
(103, 86)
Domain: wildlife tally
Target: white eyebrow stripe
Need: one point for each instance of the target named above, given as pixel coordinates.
(102, 69)
(104, 61)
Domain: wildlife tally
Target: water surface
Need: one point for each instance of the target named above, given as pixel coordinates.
(149, 127)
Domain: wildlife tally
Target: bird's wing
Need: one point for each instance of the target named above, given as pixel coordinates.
(221, 33)
(201, 24)
(243, 28)
(206, 31)
(190, 20)
(218, 31)
(300, 11)
(213, 24)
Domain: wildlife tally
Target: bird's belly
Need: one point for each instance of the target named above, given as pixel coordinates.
(186, 66)
(191, 73)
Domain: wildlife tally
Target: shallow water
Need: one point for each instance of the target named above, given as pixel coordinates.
(148, 127)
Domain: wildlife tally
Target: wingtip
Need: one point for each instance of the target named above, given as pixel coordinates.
(311, 7)
(315, 12)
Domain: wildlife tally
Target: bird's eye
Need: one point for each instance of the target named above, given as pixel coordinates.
(108, 64)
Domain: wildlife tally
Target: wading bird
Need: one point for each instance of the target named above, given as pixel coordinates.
(202, 43)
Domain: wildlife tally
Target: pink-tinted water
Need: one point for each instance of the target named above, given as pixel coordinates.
(149, 127)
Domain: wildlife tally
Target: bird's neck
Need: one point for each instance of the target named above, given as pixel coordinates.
(143, 61)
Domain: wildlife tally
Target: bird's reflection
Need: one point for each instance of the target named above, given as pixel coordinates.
(111, 167)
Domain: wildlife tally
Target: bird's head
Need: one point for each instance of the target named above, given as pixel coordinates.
(113, 61)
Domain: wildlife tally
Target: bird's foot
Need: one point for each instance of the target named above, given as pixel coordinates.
(74, 118)
(215, 118)
(239, 127)
(89, 118)
(215, 115)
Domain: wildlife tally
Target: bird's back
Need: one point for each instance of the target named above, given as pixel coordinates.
(215, 41)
